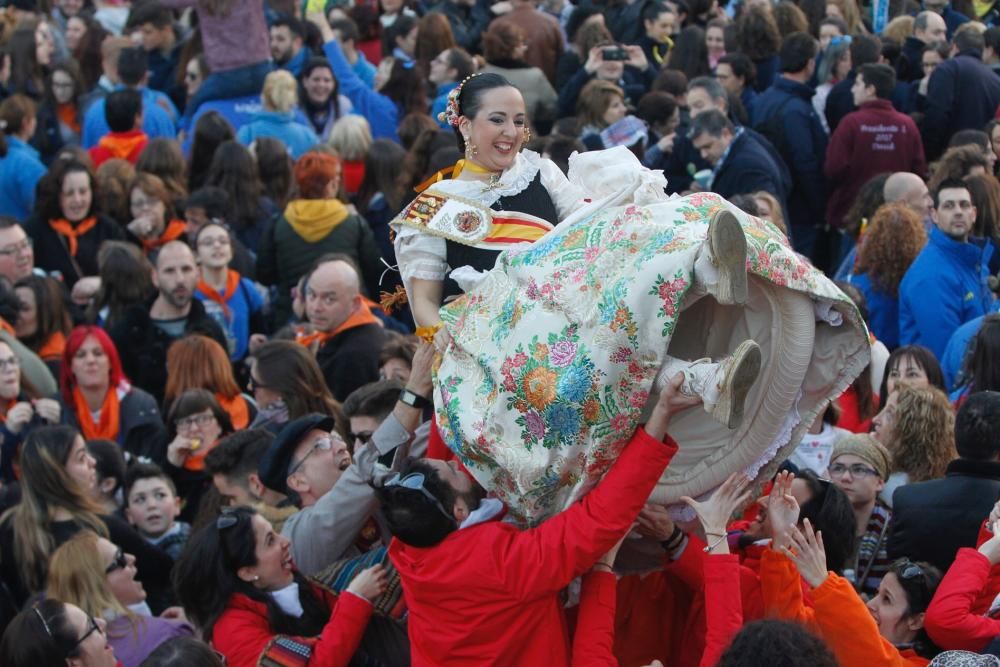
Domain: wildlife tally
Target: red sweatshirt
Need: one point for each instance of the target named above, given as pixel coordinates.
(489, 594)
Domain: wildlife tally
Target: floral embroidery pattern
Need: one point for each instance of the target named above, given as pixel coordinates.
(555, 351)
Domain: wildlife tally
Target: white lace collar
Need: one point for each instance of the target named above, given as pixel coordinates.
(512, 181)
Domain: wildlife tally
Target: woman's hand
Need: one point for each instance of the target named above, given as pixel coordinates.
(141, 227)
(636, 57)
(19, 416)
(318, 19)
(716, 512)
(85, 290)
(180, 449)
(370, 583)
(671, 402)
(809, 556)
(594, 59)
(666, 142)
(782, 510)
(48, 409)
(991, 547)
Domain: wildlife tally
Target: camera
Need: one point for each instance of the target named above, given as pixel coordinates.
(614, 53)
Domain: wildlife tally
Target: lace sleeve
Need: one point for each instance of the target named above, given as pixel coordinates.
(421, 256)
(566, 196)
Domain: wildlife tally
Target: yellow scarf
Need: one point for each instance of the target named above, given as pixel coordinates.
(314, 219)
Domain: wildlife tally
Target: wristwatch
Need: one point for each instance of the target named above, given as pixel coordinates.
(414, 400)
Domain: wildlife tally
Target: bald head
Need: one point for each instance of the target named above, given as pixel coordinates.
(333, 295)
(909, 189)
(930, 27)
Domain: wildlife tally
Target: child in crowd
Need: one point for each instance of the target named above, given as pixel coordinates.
(152, 506)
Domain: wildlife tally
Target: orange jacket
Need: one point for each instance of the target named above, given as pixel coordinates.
(838, 615)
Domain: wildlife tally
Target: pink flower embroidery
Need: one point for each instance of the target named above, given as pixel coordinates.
(562, 353)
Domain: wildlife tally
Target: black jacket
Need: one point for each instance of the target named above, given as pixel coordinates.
(142, 345)
(932, 520)
(910, 66)
(52, 251)
(350, 359)
(962, 94)
(747, 168)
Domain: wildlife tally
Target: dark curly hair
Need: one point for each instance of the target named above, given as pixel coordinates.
(774, 643)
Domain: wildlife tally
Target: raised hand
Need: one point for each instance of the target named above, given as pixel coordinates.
(782, 510)
(654, 522)
(991, 547)
(809, 556)
(671, 402)
(716, 512)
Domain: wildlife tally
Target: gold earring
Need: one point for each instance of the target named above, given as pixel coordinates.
(527, 134)
(470, 150)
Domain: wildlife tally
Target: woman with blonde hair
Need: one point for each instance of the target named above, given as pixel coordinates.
(99, 578)
(917, 426)
(199, 362)
(277, 119)
(601, 103)
(351, 137)
(893, 239)
(899, 28)
(58, 500)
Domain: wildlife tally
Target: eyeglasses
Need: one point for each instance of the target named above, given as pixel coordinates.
(185, 423)
(120, 562)
(324, 444)
(362, 437)
(16, 248)
(910, 570)
(856, 470)
(94, 627)
(227, 518)
(254, 384)
(415, 482)
(9, 364)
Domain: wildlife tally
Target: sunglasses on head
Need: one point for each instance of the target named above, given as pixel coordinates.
(415, 482)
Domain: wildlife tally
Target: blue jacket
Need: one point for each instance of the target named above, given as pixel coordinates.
(365, 70)
(952, 20)
(441, 103)
(956, 349)
(883, 310)
(747, 168)
(380, 111)
(767, 73)
(803, 146)
(297, 137)
(20, 171)
(945, 287)
(963, 93)
(295, 63)
(156, 121)
(243, 305)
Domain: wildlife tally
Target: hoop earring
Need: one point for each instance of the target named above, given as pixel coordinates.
(470, 150)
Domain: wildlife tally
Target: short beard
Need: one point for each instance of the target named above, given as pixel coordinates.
(473, 497)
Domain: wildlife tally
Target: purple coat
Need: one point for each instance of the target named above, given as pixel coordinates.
(133, 644)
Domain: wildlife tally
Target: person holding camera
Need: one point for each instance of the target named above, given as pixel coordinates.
(625, 66)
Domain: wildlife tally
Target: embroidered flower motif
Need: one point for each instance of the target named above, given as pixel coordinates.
(562, 353)
(574, 384)
(563, 421)
(535, 424)
(539, 385)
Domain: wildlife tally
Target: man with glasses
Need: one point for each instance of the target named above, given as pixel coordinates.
(312, 465)
(859, 466)
(932, 520)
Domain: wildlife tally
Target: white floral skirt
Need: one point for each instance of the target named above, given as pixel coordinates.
(555, 351)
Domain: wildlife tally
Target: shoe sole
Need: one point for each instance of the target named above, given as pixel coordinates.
(729, 252)
(740, 378)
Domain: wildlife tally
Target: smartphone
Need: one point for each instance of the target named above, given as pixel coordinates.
(614, 53)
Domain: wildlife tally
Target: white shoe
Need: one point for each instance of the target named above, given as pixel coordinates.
(723, 386)
(728, 247)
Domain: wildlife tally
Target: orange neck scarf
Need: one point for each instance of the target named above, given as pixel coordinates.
(358, 318)
(66, 229)
(175, 229)
(11, 403)
(53, 348)
(232, 282)
(5, 326)
(67, 114)
(123, 144)
(107, 427)
(237, 409)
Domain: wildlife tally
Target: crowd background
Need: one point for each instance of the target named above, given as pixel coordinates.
(205, 362)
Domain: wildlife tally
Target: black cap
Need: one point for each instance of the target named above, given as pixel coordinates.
(273, 467)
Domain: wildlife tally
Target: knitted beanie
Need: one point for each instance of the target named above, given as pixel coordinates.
(866, 448)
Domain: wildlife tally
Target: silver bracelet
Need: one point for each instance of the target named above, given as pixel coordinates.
(708, 547)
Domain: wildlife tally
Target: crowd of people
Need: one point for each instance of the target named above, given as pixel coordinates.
(223, 255)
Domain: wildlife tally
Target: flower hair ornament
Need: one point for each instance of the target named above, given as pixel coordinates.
(450, 114)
